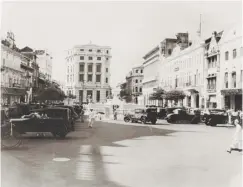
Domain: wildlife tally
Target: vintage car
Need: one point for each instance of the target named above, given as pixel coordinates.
(17, 110)
(54, 120)
(74, 115)
(171, 109)
(142, 115)
(214, 116)
(161, 113)
(180, 115)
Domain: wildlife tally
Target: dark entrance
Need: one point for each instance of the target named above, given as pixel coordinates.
(197, 101)
(238, 102)
(227, 101)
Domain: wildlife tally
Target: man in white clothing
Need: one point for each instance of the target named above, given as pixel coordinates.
(92, 116)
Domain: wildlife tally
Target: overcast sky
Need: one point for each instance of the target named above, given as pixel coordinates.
(130, 28)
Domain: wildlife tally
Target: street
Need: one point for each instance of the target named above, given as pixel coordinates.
(126, 155)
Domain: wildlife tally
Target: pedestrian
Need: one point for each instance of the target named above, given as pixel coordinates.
(237, 139)
(92, 116)
(229, 111)
(115, 114)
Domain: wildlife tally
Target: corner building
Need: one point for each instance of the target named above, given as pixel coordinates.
(88, 73)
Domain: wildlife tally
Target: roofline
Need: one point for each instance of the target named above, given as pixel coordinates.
(151, 51)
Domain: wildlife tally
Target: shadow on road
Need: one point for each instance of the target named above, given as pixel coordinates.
(87, 165)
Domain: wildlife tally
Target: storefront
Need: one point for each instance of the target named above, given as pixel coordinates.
(11, 95)
(232, 98)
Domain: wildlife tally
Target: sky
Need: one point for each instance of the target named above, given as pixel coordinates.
(131, 29)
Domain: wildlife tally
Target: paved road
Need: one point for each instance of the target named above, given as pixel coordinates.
(126, 155)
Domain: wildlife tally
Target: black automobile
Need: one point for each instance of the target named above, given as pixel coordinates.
(180, 115)
(74, 115)
(214, 116)
(143, 115)
(161, 113)
(55, 120)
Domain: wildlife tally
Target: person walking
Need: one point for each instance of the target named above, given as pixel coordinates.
(92, 116)
(237, 139)
(115, 114)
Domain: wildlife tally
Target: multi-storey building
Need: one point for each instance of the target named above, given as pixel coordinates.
(184, 70)
(16, 73)
(134, 82)
(231, 69)
(44, 60)
(212, 71)
(88, 72)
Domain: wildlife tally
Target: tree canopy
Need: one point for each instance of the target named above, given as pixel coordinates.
(158, 94)
(175, 95)
(51, 94)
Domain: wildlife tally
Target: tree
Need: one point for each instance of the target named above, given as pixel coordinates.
(51, 94)
(175, 95)
(158, 95)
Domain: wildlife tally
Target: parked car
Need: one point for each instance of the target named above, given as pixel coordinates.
(56, 120)
(214, 116)
(161, 113)
(74, 115)
(180, 115)
(142, 115)
(171, 109)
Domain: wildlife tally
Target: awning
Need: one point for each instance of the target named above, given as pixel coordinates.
(212, 99)
(231, 92)
(13, 91)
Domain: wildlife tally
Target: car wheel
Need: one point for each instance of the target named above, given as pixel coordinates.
(143, 120)
(153, 122)
(126, 119)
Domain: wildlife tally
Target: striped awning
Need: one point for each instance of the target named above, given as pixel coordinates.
(13, 91)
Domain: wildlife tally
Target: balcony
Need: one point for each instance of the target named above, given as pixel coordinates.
(26, 67)
(211, 90)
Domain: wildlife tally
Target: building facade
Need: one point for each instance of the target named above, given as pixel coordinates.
(134, 82)
(231, 69)
(44, 60)
(88, 72)
(184, 70)
(212, 71)
(16, 73)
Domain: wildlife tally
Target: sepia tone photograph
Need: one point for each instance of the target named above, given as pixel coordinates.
(121, 93)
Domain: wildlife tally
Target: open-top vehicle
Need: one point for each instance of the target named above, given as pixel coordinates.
(54, 120)
(180, 115)
(142, 115)
(214, 116)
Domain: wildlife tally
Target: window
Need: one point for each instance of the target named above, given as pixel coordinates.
(226, 80)
(81, 57)
(81, 77)
(81, 49)
(141, 71)
(90, 78)
(107, 51)
(136, 89)
(90, 58)
(67, 79)
(90, 50)
(90, 94)
(81, 67)
(140, 89)
(99, 58)
(140, 80)
(136, 80)
(98, 68)
(169, 51)
(106, 80)
(90, 68)
(107, 58)
(227, 55)
(98, 51)
(136, 71)
(106, 70)
(107, 93)
(97, 96)
(234, 53)
(97, 78)
(234, 79)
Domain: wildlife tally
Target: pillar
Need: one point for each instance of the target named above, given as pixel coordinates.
(193, 100)
(222, 102)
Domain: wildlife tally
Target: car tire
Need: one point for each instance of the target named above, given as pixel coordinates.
(153, 122)
(143, 120)
(127, 120)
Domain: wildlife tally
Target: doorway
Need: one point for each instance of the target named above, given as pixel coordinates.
(238, 102)
(197, 101)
